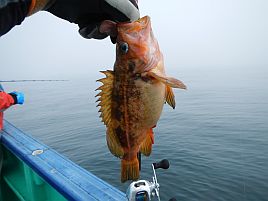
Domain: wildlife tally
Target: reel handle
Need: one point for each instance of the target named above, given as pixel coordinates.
(164, 164)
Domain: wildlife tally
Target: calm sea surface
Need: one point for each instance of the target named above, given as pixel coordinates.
(216, 139)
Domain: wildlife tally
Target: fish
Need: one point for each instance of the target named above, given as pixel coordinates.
(132, 95)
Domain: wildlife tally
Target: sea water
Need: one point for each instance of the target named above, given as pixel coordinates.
(216, 139)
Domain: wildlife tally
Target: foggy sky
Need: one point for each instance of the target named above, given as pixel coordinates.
(193, 34)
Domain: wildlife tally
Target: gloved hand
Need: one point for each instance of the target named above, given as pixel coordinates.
(89, 14)
(18, 97)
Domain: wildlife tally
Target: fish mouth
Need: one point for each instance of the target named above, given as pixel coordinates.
(144, 21)
(137, 25)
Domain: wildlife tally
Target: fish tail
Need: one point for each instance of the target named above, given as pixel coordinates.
(129, 170)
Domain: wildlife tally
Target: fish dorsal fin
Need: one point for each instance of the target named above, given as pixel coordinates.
(170, 98)
(146, 146)
(105, 103)
(170, 81)
(105, 96)
(113, 143)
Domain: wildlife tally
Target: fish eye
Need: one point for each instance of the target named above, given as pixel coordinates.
(123, 47)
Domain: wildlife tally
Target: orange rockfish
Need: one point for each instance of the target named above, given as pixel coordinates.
(133, 94)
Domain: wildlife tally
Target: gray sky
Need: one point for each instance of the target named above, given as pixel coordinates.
(192, 34)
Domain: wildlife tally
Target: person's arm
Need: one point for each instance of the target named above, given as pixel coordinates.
(12, 12)
(7, 100)
(88, 14)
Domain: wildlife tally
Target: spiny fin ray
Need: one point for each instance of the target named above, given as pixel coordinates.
(105, 96)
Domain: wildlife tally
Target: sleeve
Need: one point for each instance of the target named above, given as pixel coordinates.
(6, 100)
(12, 12)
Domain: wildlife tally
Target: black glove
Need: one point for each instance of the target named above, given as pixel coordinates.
(89, 14)
(18, 97)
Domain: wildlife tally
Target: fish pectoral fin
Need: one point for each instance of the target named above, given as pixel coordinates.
(113, 143)
(170, 98)
(146, 146)
(170, 81)
(105, 96)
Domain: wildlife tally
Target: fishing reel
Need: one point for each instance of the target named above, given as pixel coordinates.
(143, 190)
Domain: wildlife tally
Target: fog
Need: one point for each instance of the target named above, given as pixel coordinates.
(193, 34)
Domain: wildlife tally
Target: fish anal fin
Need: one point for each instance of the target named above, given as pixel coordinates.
(129, 170)
(170, 98)
(113, 143)
(105, 99)
(146, 146)
(170, 81)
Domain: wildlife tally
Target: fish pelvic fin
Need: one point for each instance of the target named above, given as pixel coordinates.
(146, 146)
(105, 96)
(113, 143)
(170, 98)
(130, 170)
(170, 81)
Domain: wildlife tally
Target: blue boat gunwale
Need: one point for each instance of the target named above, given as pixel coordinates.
(68, 178)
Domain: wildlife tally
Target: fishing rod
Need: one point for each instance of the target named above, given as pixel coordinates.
(33, 80)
